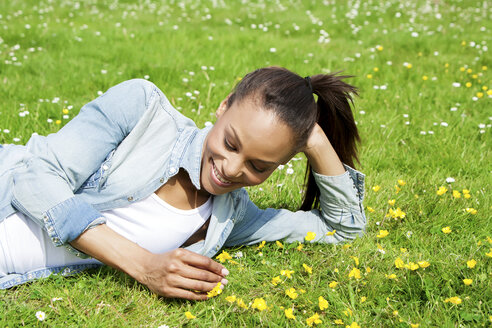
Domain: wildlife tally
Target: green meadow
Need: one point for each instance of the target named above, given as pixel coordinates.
(424, 113)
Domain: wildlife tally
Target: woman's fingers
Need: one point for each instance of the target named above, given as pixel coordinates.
(202, 262)
(186, 294)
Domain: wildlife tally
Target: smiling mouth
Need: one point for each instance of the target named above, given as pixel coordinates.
(219, 179)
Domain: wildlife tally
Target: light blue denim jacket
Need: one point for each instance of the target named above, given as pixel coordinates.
(121, 148)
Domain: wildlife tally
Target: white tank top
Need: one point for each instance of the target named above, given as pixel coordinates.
(151, 223)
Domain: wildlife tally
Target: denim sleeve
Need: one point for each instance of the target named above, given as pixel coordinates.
(58, 164)
(341, 211)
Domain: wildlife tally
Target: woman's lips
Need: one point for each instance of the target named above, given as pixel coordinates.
(218, 178)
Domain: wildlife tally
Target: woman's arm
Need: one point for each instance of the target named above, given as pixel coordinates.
(60, 163)
(171, 274)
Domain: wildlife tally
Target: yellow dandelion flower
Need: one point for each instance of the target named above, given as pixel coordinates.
(468, 84)
(356, 260)
(302, 291)
(376, 188)
(399, 264)
(474, 76)
(314, 319)
(456, 194)
(259, 304)
(322, 303)
(396, 214)
(463, 43)
(391, 276)
(462, 69)
(65, 111)
(484, 68)
(310, 236)
(401, 182)
(353, 325)
(467, 282)
(331, 233)
(189, 315)
(276, 280)
(215, 291)
(489, 240)
(409, 66)
(425, 77)
(58, 122)
(423, 264)
(332, 284)
(403, 250)
(469, 70)
(446, 230)
(442, 190)
(291, 292)
(380, 48)
(466, 191)
(368, 270)
(369, 76)
(376, 69)
(231, 299)
(287, 273)
(446, 65)
(370, 209)
(346, 246)
(395, 313)
(391, 202)
(261, 245)
(363, 299)
(241, 303)
(348, 312)
(485, 88)
(355, 273)
(398, 189)
(279, 244)
(307, 268)
(489, 92)
(382, 233)
(467, 196)
(335, 270)
(415, 325)
(489, 254)
(222, 257)
(479, 94)
(471, 210)
(232, 262)
(471, 263)
(338, 322)
(455, 300)
(300, 246)
(289, 314)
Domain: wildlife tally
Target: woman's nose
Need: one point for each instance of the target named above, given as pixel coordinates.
(232, 168)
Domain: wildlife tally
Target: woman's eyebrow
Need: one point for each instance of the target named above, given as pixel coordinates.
(238, 141)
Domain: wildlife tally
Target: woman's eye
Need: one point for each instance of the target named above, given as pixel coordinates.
(228, 145)
(257, 169)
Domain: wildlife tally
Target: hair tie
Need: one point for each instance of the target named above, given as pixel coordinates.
(308, 81)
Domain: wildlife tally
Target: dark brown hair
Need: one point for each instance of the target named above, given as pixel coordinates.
(290, 96)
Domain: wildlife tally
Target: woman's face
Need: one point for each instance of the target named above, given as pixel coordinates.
(244, 147)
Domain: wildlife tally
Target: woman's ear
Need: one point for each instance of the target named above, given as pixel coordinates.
(222, 106)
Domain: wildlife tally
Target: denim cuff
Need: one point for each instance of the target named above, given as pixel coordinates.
(67, 220)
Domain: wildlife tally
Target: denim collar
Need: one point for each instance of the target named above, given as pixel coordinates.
(191, 160)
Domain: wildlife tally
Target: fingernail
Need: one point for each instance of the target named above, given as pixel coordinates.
(221, 286)
(224, 281)
(225, 272)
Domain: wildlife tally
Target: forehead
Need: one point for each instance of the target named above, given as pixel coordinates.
(261, 134)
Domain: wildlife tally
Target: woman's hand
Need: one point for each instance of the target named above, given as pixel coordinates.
(178, 272)
(321, 155)
(172, 274)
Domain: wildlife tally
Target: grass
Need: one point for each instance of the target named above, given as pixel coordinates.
(57, 55)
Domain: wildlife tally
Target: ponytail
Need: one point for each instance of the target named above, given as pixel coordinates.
(337, 121)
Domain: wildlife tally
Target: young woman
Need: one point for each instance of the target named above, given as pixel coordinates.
(132, 183)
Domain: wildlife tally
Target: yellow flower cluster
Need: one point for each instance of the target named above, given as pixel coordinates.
(215, 291)
(399, 264)
(259, 304)
(222, 257)
(396, 214)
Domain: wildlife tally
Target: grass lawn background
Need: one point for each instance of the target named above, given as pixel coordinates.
(424, 115)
